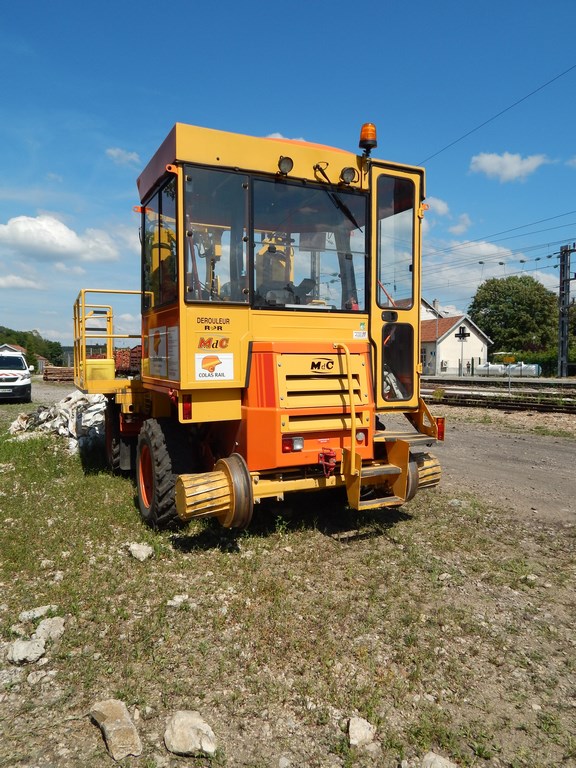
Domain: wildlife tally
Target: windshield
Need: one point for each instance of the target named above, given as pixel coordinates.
(308, 242)
(12, 363)
(309, 246)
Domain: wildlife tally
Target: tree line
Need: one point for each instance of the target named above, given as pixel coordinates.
(34, 345)
(520, 315)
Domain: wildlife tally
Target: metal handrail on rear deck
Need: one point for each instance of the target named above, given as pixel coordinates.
(86, 312)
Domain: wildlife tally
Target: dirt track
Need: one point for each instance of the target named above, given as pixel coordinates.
(505, 460)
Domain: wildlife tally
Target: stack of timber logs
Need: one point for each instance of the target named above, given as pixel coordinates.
(57, 373)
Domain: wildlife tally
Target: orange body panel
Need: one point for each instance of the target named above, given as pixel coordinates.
(266, 419)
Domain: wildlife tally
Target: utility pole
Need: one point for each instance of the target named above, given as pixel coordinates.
(564, 296)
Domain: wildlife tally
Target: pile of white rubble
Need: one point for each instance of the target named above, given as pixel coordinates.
(77, 417)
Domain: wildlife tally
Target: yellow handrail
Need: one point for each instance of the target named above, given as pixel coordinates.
(344, 348)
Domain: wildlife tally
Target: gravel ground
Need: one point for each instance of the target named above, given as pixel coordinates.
(49, 392)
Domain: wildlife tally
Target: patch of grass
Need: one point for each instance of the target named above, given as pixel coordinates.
(433, 729)
(438, 394)
(551, 432)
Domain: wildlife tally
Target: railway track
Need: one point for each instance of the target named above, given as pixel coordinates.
(546, 395)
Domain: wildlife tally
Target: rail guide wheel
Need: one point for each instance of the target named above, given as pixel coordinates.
(224, 493)
(424, 471)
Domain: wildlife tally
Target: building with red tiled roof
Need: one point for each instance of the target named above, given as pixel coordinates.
(452, 345)
(12, 348)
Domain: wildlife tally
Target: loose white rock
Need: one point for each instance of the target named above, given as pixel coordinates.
(26, 651)
(188, 734)
(360, 732)
(140, 552)
(119, 733)
(432, 760)
(10, 676)
(177, 601)
(444, 577)
(40, 676)
(37, 613)
(49, 629)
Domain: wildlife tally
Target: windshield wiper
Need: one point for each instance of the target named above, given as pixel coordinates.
(336, 199)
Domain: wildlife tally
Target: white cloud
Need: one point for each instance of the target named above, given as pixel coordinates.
(480, 249)
(56, 335)
(452, 273)
(128, 323)
(13, 281)
(549, 279)
(463, 225)
(438, 206)
(123, 157)
(572, 162)
(59, 266)
(44, 238)
(127, 237)
(450, 310)
(506, 167)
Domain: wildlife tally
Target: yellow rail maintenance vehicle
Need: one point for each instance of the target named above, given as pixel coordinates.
(280, 306)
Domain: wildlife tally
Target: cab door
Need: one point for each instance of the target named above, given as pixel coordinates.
(395, 296)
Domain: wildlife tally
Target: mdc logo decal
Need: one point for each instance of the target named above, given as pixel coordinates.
(213, 342)
(322, 364)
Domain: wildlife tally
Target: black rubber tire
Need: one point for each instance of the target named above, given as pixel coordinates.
(112, 436)
(155, 476)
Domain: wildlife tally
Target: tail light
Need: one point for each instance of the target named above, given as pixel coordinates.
(440, 425)
(292, 444)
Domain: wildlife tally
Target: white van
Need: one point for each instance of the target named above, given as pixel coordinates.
(15, 382)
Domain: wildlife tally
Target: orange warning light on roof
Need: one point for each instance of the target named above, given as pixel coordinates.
(368, 139)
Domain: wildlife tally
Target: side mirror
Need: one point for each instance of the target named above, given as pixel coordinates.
(30, 368)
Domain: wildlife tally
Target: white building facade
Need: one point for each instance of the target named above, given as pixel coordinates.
(451, 346)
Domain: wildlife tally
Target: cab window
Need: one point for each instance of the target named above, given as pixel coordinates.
(395, 237)
(215, 208)
(160, 262)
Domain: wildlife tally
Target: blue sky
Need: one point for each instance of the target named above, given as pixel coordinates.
(89, 90)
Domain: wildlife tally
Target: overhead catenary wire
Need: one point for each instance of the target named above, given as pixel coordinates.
(503, 258)
(498, 114)
(490, 238)
(474, 282)
(485, 258)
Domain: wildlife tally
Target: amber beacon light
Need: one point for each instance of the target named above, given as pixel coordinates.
(368, 140)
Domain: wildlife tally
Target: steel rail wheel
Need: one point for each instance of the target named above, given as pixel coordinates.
(225, 493)
(155, 479)
(429, 470)
(239, 514)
